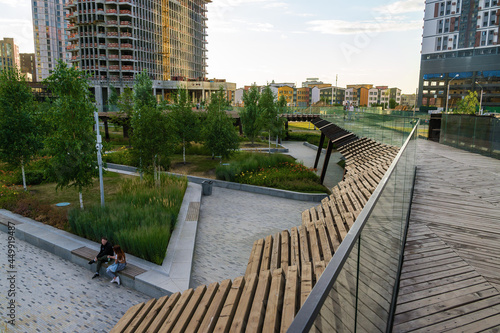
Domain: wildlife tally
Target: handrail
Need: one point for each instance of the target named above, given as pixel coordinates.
(311, 307)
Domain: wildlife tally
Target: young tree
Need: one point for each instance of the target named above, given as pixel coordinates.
(185, 120)
(250, 116)
(72, 144)
(468, 105)
(218, 129)
(125, 105)
(152, 131)
(268, 112)
(392, 103)
(19, 134)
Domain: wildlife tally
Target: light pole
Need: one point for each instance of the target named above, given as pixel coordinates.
(480, 99)
(448, 93)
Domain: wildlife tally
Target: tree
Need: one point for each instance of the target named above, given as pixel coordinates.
(72, 144)
(19, 133)
(125, 105)
(152, 131)
(218, 130)
(392, 103)
(468, 105)
(250, 115)
(185, 121)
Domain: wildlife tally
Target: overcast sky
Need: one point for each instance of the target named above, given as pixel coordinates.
(363, 41)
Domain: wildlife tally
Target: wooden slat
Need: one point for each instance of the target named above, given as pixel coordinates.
(258, 310)
(266, 254)
(164, 312)
(151, 315)
(275, 302)
(139, 317)
(230, 305)
(202, 308)
(291, 298)
(306, 284)
(127, 318)
(177, 311)
(285, 249)
(313, 241)
(242, 313)
(304, 245)
(210, 319)
(325, 243)
(190, 309)
(276, 256)
(294, 247)
(254, 262)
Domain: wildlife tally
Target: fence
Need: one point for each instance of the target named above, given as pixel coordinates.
(358, 289)
(478, 134)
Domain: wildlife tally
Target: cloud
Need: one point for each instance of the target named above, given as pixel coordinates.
(404, 6)
(340, 27)
(16, 4)
(19, 29)
(261, 27)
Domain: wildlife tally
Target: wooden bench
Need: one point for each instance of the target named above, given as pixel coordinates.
(130, 271)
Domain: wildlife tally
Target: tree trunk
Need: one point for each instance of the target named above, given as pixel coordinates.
(269, 139)
(81, 200)
(184, 151)
(24, 176)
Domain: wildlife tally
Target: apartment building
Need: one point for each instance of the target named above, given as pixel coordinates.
(113, 40)
(28, 66)
(49, 33)
(460, 52)
(9, 54)
(332, 95)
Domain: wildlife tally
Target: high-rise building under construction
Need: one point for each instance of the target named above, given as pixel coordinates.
(112, 40)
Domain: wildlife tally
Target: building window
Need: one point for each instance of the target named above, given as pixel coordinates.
(445, 43)
(483, 38)
(486, 3)
(438, 44)
(491, 33)
(458, 7)
(440, 26)
(485, 19)
(441, 9)
(492, 18)
(447, 25)
(448, 7)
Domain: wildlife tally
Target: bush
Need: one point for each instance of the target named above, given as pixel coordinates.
(312, 138)
(276, 170)
(140, 218)
(33, 177)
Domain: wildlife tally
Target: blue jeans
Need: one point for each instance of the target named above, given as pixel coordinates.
(120, 267)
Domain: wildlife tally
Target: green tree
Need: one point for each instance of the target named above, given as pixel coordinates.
(125, 105)
(250, 116)
(392, 103)
(72, 143)
(152, 135)
(19, 133)
(185, 121)
(218, 129)
(468, 105)
(143, 88)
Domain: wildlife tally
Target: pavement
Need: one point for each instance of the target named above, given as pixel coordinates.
(57, 295)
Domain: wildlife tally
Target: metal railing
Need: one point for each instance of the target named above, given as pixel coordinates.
(358, 288)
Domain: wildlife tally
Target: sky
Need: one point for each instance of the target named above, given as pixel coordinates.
(257, 41)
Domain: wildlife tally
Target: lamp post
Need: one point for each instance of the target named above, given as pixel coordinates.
(448, 92)
(480, 99)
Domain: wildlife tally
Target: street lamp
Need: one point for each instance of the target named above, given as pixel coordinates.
(480, 99)
(448, 92)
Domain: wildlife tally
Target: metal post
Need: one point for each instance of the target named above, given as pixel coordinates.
(320, 148)
(99, 158)
(448, 92)
(480, 99)
(326, 161)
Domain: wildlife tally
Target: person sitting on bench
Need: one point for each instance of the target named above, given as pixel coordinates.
(119, 264)
(102, 256)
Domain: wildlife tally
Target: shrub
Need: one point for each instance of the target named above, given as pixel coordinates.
(312, 138)
(140, 218)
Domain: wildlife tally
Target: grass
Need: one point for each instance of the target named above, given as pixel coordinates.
(301, 125)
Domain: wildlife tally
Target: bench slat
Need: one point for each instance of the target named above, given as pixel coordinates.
(164, 312)
(139, 317)
(275, 302)
(290, 300)
(151, 315)
(229, 309)
(210, 319)
(202, 308)
(266, 255)
(127, 318)
(258, 310)
(189, 310)
(276, 257)
(243, 311)
(177, 310)
(285, 249)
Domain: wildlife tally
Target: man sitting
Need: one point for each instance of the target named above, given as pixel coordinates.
(102, 256)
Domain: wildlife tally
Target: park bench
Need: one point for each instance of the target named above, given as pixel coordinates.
(130, 271)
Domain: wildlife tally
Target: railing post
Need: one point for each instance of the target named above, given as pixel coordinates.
(320, 148)
(327, 159)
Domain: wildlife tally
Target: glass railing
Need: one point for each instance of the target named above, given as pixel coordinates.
(472, 133)
(358, 289)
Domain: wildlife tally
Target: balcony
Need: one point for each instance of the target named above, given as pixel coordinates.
(127, 68)
(111, 11)
(112, 22)
(113, 46)
(126, 46)
(125, 12)
(125, 23)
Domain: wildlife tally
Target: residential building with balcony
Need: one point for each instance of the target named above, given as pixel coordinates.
(332, 95)
(9, 54)
(460, 51)
(28, 66)
(49, 34)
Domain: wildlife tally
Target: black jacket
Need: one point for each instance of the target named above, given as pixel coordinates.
(106, 250)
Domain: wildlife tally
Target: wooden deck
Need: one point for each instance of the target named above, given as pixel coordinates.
(451, 273)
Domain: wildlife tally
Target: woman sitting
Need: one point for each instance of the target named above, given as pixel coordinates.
(119, 264)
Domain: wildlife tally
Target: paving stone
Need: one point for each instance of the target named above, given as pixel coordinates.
(55, 295)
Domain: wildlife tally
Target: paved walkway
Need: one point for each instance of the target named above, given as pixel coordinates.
(230, 221)
(55, 295)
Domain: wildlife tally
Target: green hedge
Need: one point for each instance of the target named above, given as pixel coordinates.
(139, 219)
